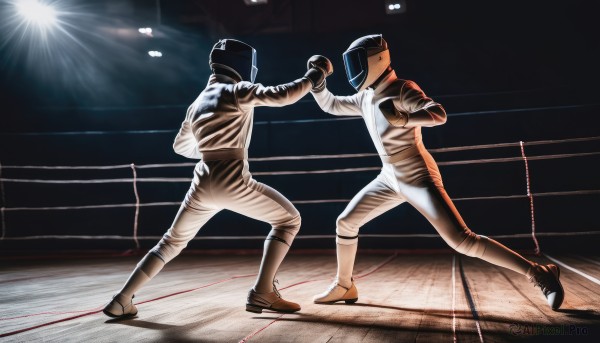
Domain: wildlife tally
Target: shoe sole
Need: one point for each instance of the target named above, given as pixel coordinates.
(129, 315)
(254, 309)
(259, 309)
(347, 301)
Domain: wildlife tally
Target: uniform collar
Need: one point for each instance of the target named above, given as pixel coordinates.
(220, 78)
(386, 82)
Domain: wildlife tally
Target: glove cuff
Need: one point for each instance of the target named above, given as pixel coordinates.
(320, 87)
(316, 76)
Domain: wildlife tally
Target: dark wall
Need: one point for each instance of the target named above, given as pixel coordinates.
(505, 72)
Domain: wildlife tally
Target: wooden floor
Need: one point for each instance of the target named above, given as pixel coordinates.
(424, 298)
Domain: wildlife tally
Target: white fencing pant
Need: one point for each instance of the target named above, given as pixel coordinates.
(417, 180)
(227, 184)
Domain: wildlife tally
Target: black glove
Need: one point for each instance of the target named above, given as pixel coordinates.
(319, 67)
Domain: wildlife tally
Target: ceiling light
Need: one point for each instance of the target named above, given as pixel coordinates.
(395, 6)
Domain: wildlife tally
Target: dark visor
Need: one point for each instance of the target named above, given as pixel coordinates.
(254, 70)
(355, 61)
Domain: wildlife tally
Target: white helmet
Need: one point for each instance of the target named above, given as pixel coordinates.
(366, 59)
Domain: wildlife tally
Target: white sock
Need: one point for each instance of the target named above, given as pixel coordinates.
(345, 260)
(145, 270)
(502, 256)
(274, 251)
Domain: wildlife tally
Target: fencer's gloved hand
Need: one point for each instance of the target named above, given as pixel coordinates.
(319, 67)
(392, 114)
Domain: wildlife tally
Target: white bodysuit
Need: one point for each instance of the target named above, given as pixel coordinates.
(409, 172)
(217, 130)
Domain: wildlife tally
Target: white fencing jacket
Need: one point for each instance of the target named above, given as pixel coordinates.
(221, 117)
(389, 140)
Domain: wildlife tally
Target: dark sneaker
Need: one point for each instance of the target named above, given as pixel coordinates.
(547, 278)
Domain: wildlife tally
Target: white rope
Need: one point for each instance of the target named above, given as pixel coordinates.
(527, 178)
(513, 159)
(3, 223)
(137, 208)
(577, 271)
(507, 145)
(99, 181)
(108, 167)
(2, 206)
(322, 171)
(524, 109)
(300, 121)
(166, 165)
(357, 155)
(3, 198)
(454, 298)
(310, 157)
(550, 234)
(324, 201)
(581, 192)
(137, 205)
(384, 236)
(87, 207)
(319, 201)
(117, 166)
(286, 172)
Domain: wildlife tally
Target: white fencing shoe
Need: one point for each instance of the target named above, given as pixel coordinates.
(547, 278)
(336, 293)
(120, 307)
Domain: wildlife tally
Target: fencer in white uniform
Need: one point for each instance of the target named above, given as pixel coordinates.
(217, 131)
(394, 110)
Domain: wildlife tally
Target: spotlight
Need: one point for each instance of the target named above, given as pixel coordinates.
(255, 2)
(395, 6)
(146, 31)
(36, 12)
(154, 53)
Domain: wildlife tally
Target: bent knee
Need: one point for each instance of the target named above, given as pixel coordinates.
(346, 230)
(290, 226)
(469, 243)
(167, 250)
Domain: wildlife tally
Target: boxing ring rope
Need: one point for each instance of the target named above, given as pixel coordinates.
(137, 208)
(271, 122)
(359, 155)
(137, 205)
(2, 208)
(530, 196)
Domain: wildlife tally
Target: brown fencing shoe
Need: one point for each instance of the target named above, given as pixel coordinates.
(120, 307)
(257, 302)
(547, 278)
(336, 293)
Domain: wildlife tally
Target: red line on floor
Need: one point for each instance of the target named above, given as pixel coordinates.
(247, 338)
(94, 311)
(49, 323)
(363, 275)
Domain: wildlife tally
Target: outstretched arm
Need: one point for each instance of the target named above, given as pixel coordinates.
(413, 108)
(251, 95)
(185, 143)
(254, 94)
(338, 105)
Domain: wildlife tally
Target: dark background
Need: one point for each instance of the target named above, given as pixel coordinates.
(89, 94)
